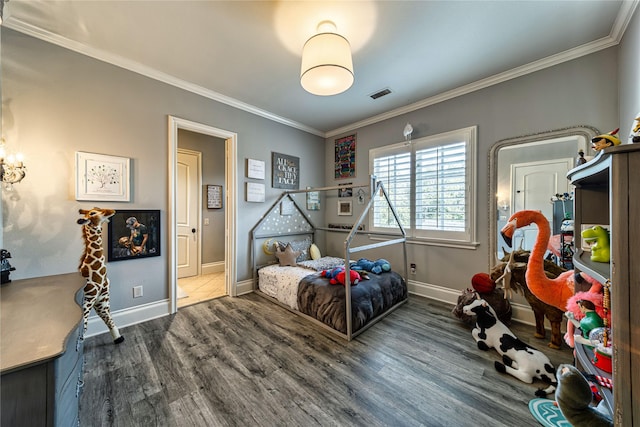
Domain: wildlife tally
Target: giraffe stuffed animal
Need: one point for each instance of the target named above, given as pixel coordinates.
(93, 267)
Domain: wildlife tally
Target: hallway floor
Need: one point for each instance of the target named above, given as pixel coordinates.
(195, 289)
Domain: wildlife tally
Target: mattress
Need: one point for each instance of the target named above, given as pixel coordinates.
(281, 283)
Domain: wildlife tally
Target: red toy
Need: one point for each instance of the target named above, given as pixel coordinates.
(337, 275)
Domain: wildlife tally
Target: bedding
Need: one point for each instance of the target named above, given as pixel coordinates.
(369, 298)
(303, 289)
(281, 283)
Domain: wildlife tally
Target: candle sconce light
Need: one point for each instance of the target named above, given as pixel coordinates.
(12, 168)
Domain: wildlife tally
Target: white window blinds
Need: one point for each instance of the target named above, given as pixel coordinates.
(431, 183)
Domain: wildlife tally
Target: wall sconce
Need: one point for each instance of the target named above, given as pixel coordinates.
(327, 67)
(12, 168)
(406, 132)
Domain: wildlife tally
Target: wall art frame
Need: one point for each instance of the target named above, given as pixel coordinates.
(345, 191)
(255, 169)
(126, 234)
(285, 171)
(214, 196)
(101, 177)
(313, 200)
(255, 192)
(345, 157)
(344, 208)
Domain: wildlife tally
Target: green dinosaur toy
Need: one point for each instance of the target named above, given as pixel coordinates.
(598, 238)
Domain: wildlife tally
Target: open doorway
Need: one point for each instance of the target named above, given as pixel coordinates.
(177, 236)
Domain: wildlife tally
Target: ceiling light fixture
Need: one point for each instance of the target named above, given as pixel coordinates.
(327, 67)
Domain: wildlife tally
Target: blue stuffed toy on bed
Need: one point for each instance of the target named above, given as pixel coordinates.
(378, 266)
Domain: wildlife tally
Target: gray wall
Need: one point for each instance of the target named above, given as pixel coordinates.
(582, 91)
(57, 102)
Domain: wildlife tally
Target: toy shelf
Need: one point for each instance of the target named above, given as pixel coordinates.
(584, 355)
(606, 193)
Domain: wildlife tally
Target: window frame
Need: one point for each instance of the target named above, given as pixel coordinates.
(464, 239)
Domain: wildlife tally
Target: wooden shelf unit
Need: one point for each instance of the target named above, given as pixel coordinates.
(608, 193)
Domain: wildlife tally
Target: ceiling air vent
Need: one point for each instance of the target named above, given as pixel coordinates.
(380, 93)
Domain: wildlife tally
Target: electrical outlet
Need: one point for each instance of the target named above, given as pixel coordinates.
(137, 291)
(413, 268)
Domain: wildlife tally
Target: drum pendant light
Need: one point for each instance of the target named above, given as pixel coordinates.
(327, 67)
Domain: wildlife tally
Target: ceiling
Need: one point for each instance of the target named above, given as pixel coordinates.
(247, 53)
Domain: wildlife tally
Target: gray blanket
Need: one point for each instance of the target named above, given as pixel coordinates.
(370, 298)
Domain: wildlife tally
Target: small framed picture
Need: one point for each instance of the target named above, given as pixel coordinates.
(214, 196)
(313, 201)
(255, 192)
(134, 234)
(344, 208)
(345, 191)
(286, 207)
(255, 169)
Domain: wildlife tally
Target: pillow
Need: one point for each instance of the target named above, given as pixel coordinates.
(324, 263)
(314, 251)
(287, 257)
(297, 245)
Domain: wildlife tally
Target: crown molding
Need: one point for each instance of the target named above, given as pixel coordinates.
(101, 55)
(532, 67)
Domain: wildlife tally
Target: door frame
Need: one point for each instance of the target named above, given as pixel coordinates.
(198, 190)
(230, 215)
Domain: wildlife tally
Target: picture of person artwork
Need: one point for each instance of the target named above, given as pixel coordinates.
(134, 234)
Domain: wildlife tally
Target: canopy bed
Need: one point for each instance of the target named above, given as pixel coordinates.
(304, 285)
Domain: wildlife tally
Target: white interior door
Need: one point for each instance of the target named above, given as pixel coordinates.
(187, 212)
(533, 186)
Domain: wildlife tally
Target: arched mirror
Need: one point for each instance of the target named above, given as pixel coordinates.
(526, 172)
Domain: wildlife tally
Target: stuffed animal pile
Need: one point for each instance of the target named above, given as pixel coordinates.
(378, 266)
(357, 271)
(338, 275)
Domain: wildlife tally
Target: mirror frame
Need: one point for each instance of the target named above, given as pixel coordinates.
(585, 131)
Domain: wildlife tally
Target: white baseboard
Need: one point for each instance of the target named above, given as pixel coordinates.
(520, 312)
(128, 317)
(213, 267)
(146, 312)
(244, 287)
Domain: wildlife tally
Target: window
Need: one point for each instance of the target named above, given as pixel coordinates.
(431, 183)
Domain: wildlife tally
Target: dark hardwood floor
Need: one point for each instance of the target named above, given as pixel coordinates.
(248, 362)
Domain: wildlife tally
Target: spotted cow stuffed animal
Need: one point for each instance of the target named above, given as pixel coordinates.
(518, 358)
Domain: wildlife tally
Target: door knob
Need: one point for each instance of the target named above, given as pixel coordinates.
(193, 230)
